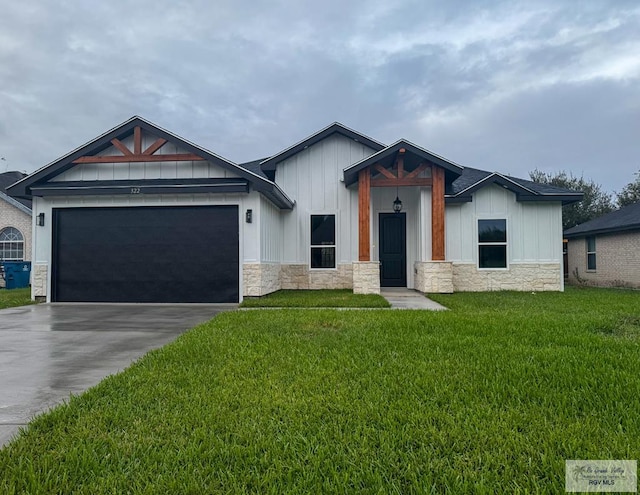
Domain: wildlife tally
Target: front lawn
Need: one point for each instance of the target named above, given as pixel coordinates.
(343, 298)
(15, 297)
(490, 397)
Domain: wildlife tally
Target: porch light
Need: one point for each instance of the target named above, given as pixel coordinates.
(40, 220)
(397, 205)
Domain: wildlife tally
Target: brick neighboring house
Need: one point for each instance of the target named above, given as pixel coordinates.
(15, 223)
(606, 251)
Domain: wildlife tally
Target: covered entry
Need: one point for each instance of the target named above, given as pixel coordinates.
(178, 254)
(417, 237)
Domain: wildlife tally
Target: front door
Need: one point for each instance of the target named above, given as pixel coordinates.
(393, 250)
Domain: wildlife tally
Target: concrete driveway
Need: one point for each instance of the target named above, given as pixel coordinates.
(49, 351)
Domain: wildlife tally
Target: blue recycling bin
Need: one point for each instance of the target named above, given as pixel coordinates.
(16, 274)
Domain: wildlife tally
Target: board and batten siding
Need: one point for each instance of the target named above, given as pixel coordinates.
(270, 221)
(534, 229)
(312, 178)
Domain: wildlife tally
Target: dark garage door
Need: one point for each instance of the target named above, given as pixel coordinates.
(147, 254)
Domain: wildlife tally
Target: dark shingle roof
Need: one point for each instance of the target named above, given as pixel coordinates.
(473, 179)
(627, 218)
(540, 188)
(468, 178)
(8, 178)
(254, 166)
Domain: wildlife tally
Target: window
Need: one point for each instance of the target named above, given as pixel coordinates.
(11, 244)
(591, 252)
(492, 243)
(323, 241)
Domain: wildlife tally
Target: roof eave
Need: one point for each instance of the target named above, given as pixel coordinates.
(611, 230)
(453, 199)
(565, 199)
(276, 195)
(15, 203)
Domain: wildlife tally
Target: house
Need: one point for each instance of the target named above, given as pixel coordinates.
(605, 251)
(140, 214)
(15, 222)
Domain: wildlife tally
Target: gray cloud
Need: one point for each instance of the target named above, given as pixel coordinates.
(508, 86)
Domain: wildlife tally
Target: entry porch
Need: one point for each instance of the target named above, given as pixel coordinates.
(401, 220)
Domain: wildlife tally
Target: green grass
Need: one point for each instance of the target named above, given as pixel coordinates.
(490, 397)
(15, 297)
(343, 298)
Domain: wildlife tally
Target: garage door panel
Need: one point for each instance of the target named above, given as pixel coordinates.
(147, 254)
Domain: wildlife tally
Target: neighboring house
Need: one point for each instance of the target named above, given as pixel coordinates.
(15, 223)
(140, 214)
(605, 251)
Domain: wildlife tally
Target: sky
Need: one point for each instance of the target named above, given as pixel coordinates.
(505, 86)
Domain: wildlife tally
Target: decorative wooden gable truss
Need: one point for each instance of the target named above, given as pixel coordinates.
(140, 141)
(150, 154)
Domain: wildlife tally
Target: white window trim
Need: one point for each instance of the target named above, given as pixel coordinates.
(335, 236)
(507, 243)
(594, 252)
(20, 241)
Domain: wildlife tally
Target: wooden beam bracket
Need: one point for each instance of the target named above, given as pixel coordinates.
(421, 168)
(119, 145)
(137, 140)
(159, 143)
(183, 157)
(405, 181)
(384, 171)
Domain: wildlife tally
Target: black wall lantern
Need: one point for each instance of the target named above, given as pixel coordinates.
(249, 216)
(40, 220)
(397, 204)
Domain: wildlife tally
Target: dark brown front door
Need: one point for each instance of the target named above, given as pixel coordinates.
(393, 250)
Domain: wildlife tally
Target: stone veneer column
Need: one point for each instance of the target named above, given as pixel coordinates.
(260, 278)
(39, 273)
(366, 277)
(435, 277)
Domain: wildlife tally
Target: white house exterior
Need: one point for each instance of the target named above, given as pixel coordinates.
(141, 215)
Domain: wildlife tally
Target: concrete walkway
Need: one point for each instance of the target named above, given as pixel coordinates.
(403, 298)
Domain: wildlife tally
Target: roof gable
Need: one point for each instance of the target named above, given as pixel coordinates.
(387, 156)
(269, 165)
(626, 218)
(93, 152)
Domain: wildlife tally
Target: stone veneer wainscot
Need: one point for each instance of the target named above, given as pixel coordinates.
(519, 276)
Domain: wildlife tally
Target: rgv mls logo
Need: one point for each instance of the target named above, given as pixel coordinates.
(601, 476)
